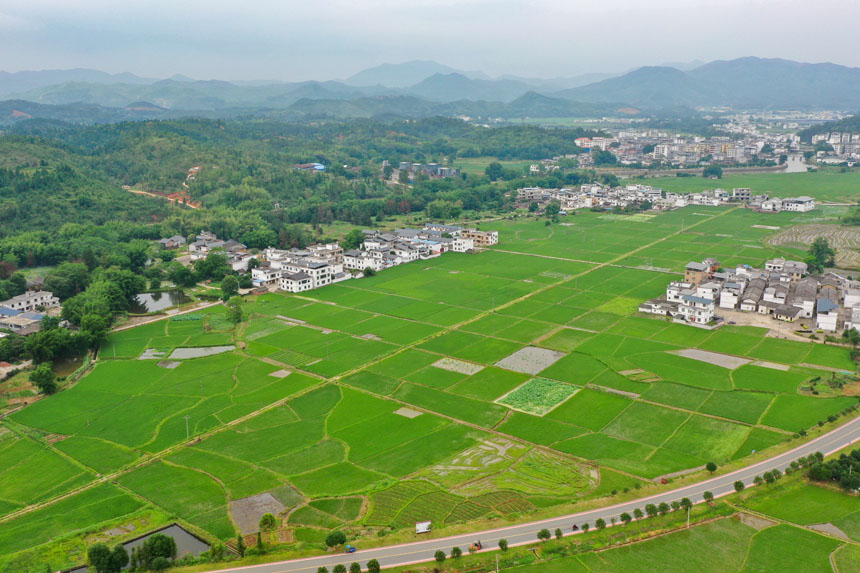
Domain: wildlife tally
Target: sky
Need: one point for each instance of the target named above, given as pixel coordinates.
(330, 39)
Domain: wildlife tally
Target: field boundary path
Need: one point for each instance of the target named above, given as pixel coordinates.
(526, 533)
(159, 455)
(518, 534)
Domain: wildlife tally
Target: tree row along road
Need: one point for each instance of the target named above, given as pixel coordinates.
(423, 551)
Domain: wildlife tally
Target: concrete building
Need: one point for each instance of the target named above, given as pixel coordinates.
(31, 301)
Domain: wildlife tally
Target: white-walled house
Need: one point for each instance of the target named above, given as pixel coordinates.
(827, 313)
(730, 295)
(31, 301)
(696, 309)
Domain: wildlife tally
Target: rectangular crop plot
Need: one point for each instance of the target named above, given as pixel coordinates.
(530, 360)
(293, 358)
(646, 423)
(591, 409)
(832, 356)
(736, 405)
(708, 438)
(538, 396)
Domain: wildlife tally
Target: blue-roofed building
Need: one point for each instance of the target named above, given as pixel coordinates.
(696, 309)
(827, 314)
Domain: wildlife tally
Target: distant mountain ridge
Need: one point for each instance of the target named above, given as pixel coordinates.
(744, 83)
(13, 82)
(405, 74)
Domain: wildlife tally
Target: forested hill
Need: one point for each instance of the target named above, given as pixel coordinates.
(55, 173)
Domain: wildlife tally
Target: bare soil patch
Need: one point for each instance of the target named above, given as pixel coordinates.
(530, 360)
(280, 373)
(200, 352)
(771, 365)
(407, 412)
(755, 521)
(248, 511)
(830, 529)
(152, 354)
(724, 360)
(458, 366)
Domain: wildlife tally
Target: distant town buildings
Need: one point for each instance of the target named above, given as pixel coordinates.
(592, 195)
(845, 148)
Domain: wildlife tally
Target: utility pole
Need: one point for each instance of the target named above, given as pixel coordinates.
(497, 563)
(187, 433)
(688, 517)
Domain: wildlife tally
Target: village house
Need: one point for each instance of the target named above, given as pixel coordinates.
(31, 301)
(172, 242)
(696, 309)
(22, 323)
(826, 314)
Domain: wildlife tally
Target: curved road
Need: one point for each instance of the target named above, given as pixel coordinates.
(422, 551)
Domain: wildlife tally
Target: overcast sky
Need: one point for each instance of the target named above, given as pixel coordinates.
(325, 39)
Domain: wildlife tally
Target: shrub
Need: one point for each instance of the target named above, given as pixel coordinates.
(335, 538)
(267, 522)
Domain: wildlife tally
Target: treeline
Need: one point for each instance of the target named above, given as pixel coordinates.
(844, 470)
(849, 124)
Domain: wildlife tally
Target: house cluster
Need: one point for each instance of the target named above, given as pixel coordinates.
(23, 314)
(782, 290)
(205, 243)
(431, 170)
(596, 195)
(297, 270)
(590, 195)
(646, 147)
(846, 148)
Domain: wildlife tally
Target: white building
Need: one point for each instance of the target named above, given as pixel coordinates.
(31, 301)
(827, 313)
(799, 204)
(696, 309)
(730, 295)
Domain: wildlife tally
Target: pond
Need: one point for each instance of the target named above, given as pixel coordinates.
(147, 302)
(186, 543)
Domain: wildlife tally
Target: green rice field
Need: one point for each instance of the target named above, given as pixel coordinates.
(338, 402)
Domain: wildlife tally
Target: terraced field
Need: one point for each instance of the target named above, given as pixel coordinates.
(384, 401)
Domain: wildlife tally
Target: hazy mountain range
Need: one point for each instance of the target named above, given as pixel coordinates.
(425, 87)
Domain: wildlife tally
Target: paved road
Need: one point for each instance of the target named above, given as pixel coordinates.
(421, 551)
